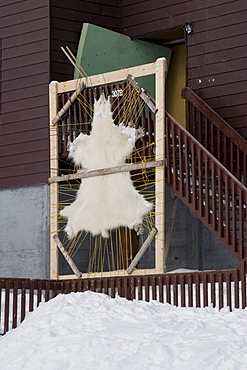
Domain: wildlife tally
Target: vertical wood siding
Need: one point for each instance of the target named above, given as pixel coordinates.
(24, 92)
(216, 50)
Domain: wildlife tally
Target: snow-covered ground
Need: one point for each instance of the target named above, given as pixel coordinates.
(92, 331)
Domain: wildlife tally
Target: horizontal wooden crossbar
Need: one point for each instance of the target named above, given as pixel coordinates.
(107, 171)
(109, 77)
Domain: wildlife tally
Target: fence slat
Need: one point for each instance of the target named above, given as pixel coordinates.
(205, 290)
(15, 304)
(182, 287)
(6, 302)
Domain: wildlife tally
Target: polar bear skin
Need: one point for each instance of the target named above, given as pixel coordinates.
(105, 202)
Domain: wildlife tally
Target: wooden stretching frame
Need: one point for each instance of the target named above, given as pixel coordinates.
(158, 68)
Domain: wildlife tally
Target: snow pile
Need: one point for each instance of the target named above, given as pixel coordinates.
(92, 331)
(19, 305)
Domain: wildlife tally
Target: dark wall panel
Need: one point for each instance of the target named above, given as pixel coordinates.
(216, 50)
(27, 125)
(32, 33)
(33, 178)
(24, 31)
(67, 18)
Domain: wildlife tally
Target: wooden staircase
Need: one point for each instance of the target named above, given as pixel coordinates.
(206, 167)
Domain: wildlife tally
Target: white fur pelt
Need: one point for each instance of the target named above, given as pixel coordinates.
(105, 202)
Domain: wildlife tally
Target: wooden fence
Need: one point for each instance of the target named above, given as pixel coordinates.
(218, 289)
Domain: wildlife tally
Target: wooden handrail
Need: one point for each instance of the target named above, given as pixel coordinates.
(215, 118)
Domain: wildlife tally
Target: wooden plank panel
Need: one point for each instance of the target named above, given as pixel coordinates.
(234, 68)
(24, 115)
(23, 17)
(239, 123)
(61, 76)
(59, 24)
(230, 112)
(130, 7)
(223, 44)
(27, 125)
(74, 3)
(102, 21)
(138, 30)
(30, 26)
(228, 106)
(220, 22)
(6, 2)
(218, 34)
(227, 101)
(24, 169)
(59, 37)
(147, 14)
(31, 157)
(25, 64)
(62, 69)
(222, 58)
(14, 7)
(66, 10)
(25, 71)
(31, 179)
(28, 49)
(25, 82)
(24, 104)
(23, 137)
(174, 16)
(25, 60)
(62, 16)
(25, 38)
(25, 93)
(27, 148)
(146, 11)
(224, 90)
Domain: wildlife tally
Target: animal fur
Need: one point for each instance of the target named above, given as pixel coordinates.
(105, 202)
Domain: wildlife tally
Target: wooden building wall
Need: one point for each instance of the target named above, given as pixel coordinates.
(216, 50)
(67, 18)
(24, 33)
(31, 34)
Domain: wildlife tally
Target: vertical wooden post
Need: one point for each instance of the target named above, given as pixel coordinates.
(126, 253)
(160, 69)
(53, 108)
